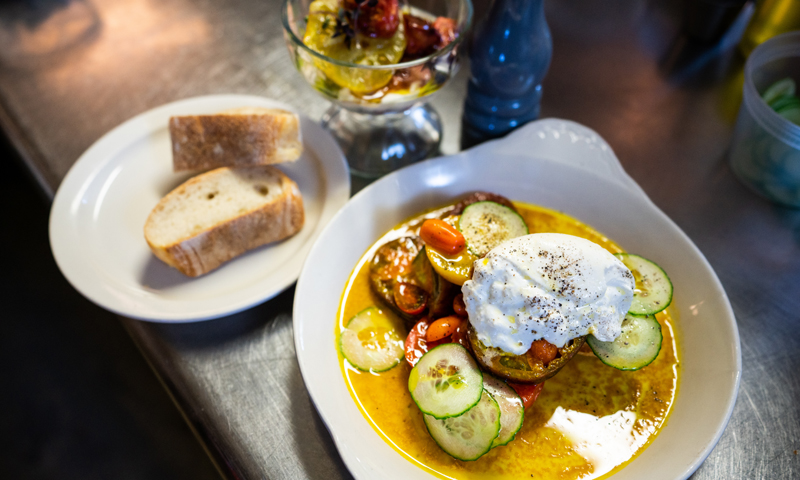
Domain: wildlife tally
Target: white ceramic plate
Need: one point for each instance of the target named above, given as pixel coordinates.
(560, 165)
(99, 211)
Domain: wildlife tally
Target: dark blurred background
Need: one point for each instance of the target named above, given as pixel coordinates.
(78, 399)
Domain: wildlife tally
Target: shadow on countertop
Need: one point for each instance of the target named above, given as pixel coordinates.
(78, 399)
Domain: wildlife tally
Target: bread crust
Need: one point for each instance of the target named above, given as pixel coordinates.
(240, 137)
(197, 254)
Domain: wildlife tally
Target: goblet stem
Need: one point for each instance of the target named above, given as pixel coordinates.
(378, 143)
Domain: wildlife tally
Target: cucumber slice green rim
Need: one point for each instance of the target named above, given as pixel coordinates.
(653, 290)
(488, 224)
(512, 411)
(468, 436)
(371, 342)
(446, 381)
(636, 347)
(782, 88)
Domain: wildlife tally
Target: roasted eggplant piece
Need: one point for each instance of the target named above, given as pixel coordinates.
(480, 197)
(403, 261)
(521, 368)
(443, 294)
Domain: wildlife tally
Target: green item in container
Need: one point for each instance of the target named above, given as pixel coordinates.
(793, 115)
(780, 96)
(785, 103)
(779, 89)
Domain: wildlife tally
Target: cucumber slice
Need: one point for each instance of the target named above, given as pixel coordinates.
(371, 342)
(446, 381)
(653, 291)
(470, 435)
(488, 224)
(637, 345)
(512, 411)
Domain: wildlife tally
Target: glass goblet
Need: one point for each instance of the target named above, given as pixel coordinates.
(379, 115)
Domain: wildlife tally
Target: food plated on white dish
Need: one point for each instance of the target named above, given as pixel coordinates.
(100, 209)
(562, 178)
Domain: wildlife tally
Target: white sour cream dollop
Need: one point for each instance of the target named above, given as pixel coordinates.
(547, 285)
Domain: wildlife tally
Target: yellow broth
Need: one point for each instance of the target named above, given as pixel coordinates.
(589, 421)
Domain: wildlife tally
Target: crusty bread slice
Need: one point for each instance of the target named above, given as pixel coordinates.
(237, 137)
(218, 215)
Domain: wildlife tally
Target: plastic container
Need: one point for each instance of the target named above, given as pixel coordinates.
(765, 152)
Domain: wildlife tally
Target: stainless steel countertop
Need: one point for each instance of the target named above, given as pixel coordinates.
(78, 68)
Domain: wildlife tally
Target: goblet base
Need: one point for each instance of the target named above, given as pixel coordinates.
(378, 143)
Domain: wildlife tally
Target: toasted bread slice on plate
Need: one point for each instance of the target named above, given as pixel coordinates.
(216, 216)
(235, 137)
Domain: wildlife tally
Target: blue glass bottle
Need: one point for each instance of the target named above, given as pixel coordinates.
(509, 55)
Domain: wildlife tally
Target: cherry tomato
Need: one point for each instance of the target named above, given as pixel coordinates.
(375, 18)
(459, 307)
(421, 37)
(529, 392)
(442, 236)
(405, 78)
(416, 346)
(446, 28)
(409, 298)
(543, 351)
(461, 336)
(444, 327)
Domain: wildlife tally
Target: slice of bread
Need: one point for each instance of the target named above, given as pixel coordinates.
(238, 137)
(218, 215)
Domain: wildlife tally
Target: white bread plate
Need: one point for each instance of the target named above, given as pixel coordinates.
(99, 212)
(566, 167)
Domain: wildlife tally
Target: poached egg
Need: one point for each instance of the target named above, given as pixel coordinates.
(547, 286)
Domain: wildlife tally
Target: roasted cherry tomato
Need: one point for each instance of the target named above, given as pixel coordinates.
(416, 346)
(442, 328)
(407, 78)
(456, 268)
(528, 392)
(409, 298)
(442, 236)
(375, 18)
(543, 351)
(459, 306)
(446, 28)
(461, 336)
(421, 37)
